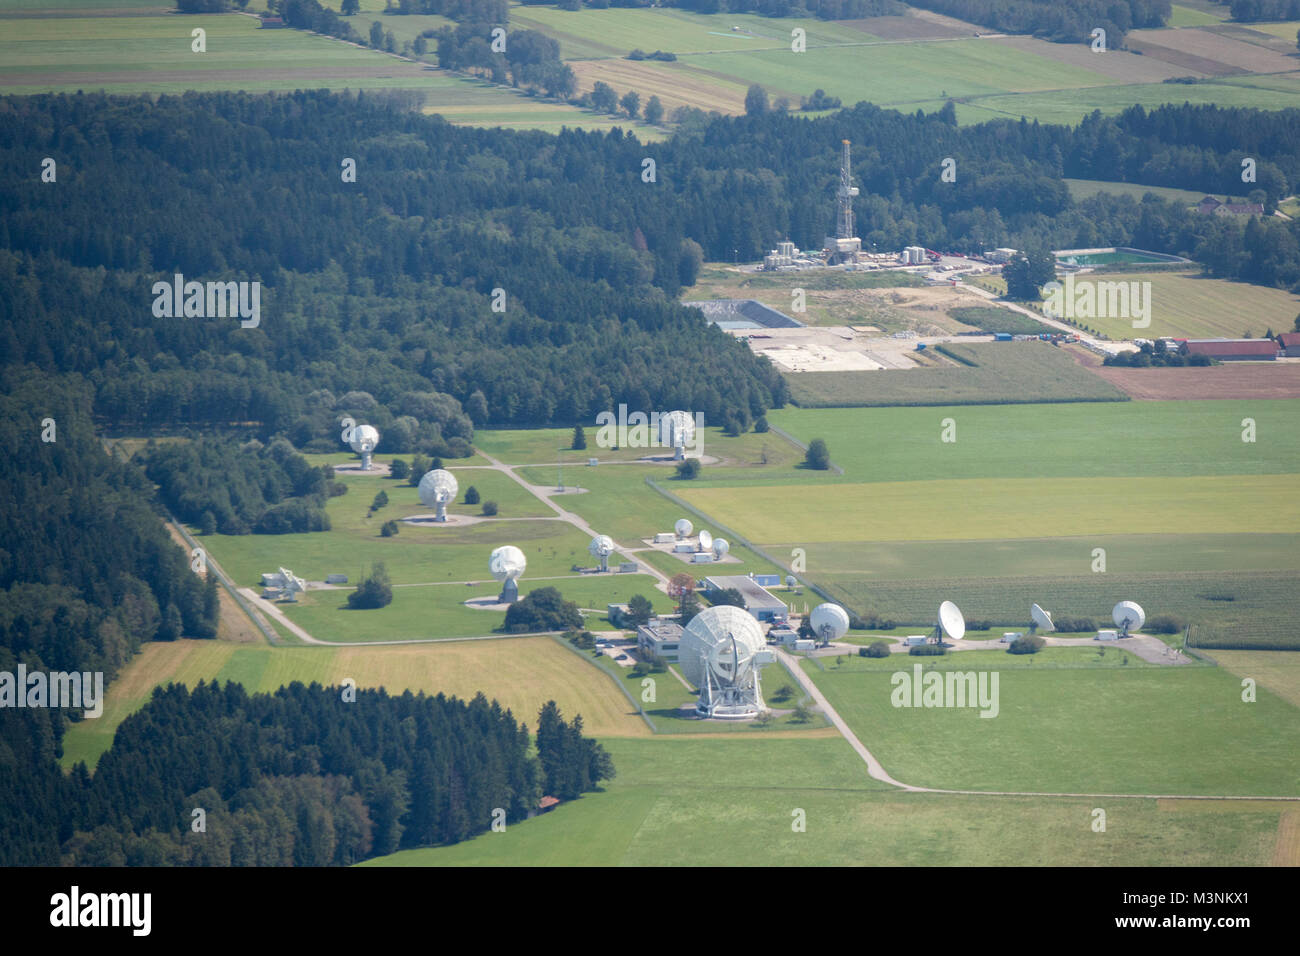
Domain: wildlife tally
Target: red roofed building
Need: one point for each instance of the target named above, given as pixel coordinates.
(1232, 350)
(1290, 342)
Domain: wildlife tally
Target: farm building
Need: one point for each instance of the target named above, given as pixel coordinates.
(1290, 342)
(1232, 350)
(659, 639)
(759, 602)
(1209, 206)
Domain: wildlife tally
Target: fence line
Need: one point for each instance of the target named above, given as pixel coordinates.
(626, 693)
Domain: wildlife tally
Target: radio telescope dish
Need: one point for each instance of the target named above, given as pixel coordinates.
(438, 488)
(706, 541)
(829, 622)
(790, 580)
(683, 527)
(1041, 618)
(676, 429)
(364, 440)
(507, 564)
(720, 654)
(951, 623)
(602, 546)
(720, 548)
(1129, 616)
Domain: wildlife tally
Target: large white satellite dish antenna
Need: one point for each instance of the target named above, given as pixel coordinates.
(829, 622)
(720, 653)
(683, 527)
(602, 546)
(706, 541)
(364, 440)
(676, 429)
(1042, 620)
(720, 548)
(951, 624)
(438, 488)
(507, 564)
(1128, 616)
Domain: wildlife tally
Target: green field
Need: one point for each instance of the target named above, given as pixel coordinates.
(680, 802)
(1084, 188)
(1002, 372)
(1097, 730)
(1190, 306)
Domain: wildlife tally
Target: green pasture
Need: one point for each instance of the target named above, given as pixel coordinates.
(681, 802)
(1096, 730)
(1004, 372)
(1049, 441)
(1085, 188)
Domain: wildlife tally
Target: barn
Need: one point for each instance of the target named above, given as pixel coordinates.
(1232, 350)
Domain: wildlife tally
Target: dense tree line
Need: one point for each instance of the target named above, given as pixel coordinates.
(823, 9)
(307, 776)
(237, 488)
(530, 60)
(1064, 21)
(1249, 11)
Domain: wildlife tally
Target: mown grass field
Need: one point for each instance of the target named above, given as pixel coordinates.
(1085, 188)
(681, 801)
(1098, 730)
(522, 673)
(1005, 372)
(1189, 306)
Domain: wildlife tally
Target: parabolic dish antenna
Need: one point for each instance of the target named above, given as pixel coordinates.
(718, 653)
(438, 488)
(676, 429)
(601, 547)
(829, 622)
(720, 548)
(951, 623)
(1041, 618)
(507, 563)
(790, 580)
(364, 440)
(1129, 616)
(706, 541)
(683, 527)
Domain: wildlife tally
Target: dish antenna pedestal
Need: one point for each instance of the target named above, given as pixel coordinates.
(829, 622)
(1128, 616)
(721, 651)
(364, 440)
(676, 429)
(507, 564)
(601, 547)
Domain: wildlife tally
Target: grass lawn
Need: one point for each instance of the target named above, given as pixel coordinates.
(1084, 188)
(1095, 730)
(681, 801)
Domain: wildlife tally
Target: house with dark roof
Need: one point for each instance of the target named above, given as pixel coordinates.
(1232, 350)
(1209, 206)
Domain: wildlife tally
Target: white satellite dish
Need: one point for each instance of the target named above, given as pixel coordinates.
(951, 623)
(706, 541)
(676, 429)
(1041, 618)
(507, 564)
(602, 546)
(438, 488)
(829, 622)
(720, 653)
(790, 580)
(364, 440)
(683, 527)
(720, 548)
(1128, 616)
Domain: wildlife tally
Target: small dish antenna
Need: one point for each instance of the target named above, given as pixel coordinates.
(683, 527)
(951, 624)
(438, 488)
(1042, 620)
(829, 622)
(791, 580)
(507, 564)
(364, 440)
(706, 541)
(720, 548)
(602, 546)
(1128, 616)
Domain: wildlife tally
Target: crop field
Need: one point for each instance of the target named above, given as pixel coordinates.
(1111, 730)
(1003, 372)
(1186, 305)
(662, 810)
(1279, 671)
(522, 673)
(1084, 188)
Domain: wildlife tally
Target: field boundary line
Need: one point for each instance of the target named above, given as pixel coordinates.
(214, 568)
(617, 683)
